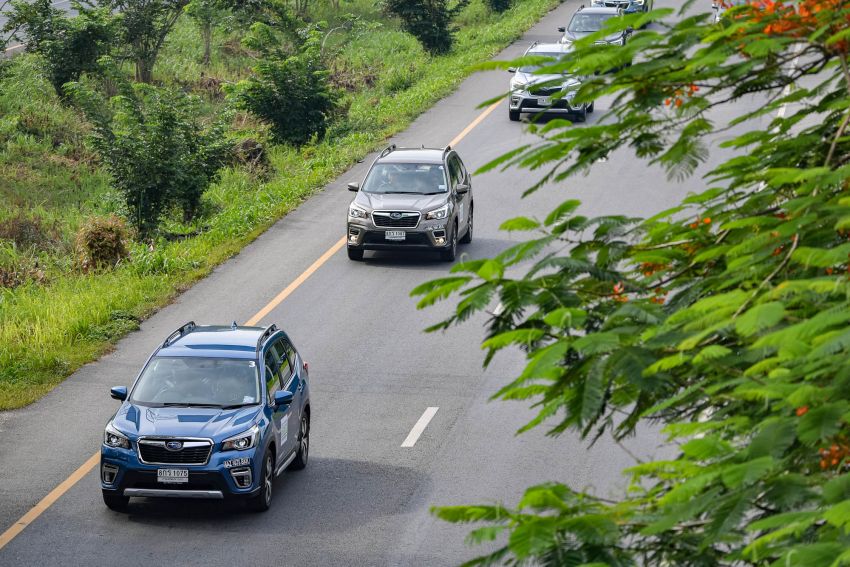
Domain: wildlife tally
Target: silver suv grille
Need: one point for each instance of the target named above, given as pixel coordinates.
(395, 219)
(191, 452)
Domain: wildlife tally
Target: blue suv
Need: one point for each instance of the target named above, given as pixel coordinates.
(217, 412)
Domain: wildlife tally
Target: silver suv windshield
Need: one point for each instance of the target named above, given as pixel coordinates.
(587, 23)
(537, 66)
(199, 382)
(406, 178)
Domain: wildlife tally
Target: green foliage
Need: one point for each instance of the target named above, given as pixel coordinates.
(155, 148)
(730, 329)
(429, 21)
(291, 93)
(69, 46)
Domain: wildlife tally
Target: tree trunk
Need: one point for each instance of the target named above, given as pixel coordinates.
(206, 32)
(144, 70)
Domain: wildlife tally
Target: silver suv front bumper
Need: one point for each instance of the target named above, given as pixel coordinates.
(364, 234)
(534, 104)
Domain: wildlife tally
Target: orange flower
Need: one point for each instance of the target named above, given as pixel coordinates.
(801, 411)
(706, 220)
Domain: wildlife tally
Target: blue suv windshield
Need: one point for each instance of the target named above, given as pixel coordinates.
(406, 178)
(196, 381)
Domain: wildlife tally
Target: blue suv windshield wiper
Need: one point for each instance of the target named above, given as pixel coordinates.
(235, 406)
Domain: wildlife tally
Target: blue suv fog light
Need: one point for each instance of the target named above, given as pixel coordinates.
(108, 472)
(242, 477)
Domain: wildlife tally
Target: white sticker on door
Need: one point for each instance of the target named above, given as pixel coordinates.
(284, 429)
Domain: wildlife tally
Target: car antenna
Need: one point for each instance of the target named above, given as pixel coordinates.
(233, 325)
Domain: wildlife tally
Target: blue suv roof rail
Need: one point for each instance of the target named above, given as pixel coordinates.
(185, 329)
(266, 334)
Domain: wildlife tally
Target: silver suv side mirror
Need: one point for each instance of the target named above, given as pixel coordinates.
(354, 186)
(462, 188)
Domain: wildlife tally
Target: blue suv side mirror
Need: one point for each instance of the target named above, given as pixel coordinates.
(283, 397)
(118, 393)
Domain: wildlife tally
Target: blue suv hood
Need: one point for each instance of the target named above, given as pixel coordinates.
(213, 423)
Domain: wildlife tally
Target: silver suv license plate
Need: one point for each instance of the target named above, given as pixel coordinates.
(172, 476)
(394, 235)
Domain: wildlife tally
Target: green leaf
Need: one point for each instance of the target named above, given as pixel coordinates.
(747, 473)
(821, 423)
(759, 318)
(519, 224)
(839, 515)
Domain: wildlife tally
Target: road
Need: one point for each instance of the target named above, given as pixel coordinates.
(364, 499)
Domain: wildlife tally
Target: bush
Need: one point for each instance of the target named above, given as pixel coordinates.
(499, 6)
(292, 93)
(429, 21)
(69, 46)
(102, 242)
(155, 149)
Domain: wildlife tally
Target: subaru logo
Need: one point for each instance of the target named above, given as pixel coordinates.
(395, 216)
(174, 445)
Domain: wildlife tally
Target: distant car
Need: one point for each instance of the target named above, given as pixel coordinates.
(412, 199)
(216, 412)
(720, 6)
(551, 93)
(587, 21)
(627, 6)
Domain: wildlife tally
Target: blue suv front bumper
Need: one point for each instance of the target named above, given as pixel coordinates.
(226, 474)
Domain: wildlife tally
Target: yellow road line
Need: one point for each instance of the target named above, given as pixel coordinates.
(298, 281)
(92, 462)
(475, 122)
(48, 500)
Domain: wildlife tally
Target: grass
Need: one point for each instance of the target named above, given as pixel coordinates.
(49, 330)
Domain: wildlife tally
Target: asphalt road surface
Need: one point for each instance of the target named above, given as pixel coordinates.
(364, 498)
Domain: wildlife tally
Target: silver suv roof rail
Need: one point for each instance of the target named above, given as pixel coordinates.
(185, 329)
(446, 150)
(388, 150)
(266, 334)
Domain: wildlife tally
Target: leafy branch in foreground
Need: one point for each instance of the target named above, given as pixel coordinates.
(724, 320)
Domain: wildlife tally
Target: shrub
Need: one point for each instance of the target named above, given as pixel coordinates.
(102, 242)
(429, 21)
(292, 94)
(499, 5)
(155, 149)
(70, 46)
(24, 231)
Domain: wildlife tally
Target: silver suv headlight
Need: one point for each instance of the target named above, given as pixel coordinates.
(243, 441)
(355, 212)
(438, 214)
(114, 438)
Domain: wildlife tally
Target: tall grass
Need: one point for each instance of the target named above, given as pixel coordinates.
(48, 331)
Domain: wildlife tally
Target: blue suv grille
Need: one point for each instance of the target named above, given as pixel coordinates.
(155, 452)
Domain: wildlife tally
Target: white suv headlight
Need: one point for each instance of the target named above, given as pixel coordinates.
(243, 441)
(114, 438)
(437, 214)
(356, 212)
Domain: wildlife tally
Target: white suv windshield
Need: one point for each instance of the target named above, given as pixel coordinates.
(194, 381)
(406, 178)
(586, 23)
(533, 68)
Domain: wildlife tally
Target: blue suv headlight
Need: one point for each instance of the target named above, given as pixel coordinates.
(243, 441)
(114, 438)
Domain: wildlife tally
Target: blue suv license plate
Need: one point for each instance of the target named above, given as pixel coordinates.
(172, 476)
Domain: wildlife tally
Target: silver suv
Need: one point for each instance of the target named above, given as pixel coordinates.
(412, 199)
(534, 92)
